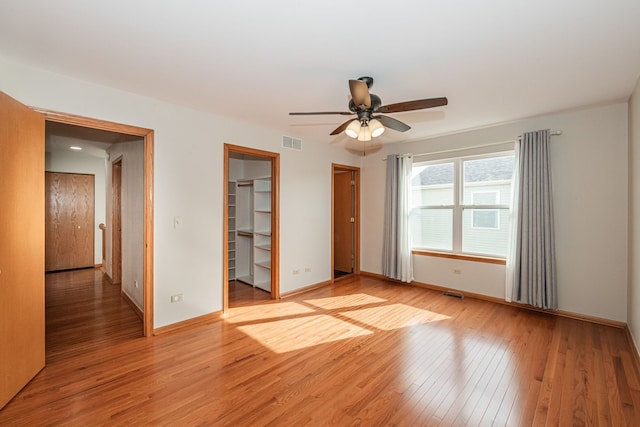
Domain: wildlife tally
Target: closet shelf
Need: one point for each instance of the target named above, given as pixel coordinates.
(264, 264)
(231, 228)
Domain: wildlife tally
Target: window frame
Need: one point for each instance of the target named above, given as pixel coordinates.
(458, 207)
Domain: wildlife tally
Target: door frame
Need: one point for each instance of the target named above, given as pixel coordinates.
(148, 140)
(356, 209)
(275, 219)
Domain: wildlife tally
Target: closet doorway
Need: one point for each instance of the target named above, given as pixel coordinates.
(251, 225)
(345, 220)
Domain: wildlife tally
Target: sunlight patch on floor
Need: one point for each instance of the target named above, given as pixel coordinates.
(394, 316)
(286, 335)
(345, 301)
(266, 311)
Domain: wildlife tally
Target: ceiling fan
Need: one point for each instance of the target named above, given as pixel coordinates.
(367, 106)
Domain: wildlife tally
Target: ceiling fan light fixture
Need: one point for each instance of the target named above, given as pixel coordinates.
(364, 134)
(376, 128)
(353, 129)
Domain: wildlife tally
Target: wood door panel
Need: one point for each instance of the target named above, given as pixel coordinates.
(342, 227)
(69, 221)
(22, 345)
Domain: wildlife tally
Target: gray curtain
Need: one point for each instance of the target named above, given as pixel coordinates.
(397, 262)
(533, 267)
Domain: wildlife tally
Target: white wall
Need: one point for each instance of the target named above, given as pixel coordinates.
(633, 298)
(73, 162)
(188, 180)
(590, 181)
(132, 218)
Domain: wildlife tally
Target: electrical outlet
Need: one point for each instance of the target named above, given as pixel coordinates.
(177, 298)
(457, 271)
(307, 269)
(135, 283)
(295, 272)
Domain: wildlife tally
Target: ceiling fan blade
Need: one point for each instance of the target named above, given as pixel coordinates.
(314, 113)
(392, 123)
(360, 94)
(413, 105)
(341, 128)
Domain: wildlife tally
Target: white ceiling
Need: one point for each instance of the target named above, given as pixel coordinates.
(496, 60)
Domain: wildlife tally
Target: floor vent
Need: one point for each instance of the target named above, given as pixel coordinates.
(453, 294)
(291, 142)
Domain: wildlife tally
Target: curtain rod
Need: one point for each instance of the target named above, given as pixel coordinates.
(552, 133)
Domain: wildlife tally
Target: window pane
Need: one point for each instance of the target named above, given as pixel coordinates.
(485, 231)
(487, 181)
(432, 229)
(432, 185)
(485, 218)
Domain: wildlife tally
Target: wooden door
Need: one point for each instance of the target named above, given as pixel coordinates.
(343, 221)
(22, 351)
(116, 221)
(69, 221)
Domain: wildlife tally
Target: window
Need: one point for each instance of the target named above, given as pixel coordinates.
(461, 205)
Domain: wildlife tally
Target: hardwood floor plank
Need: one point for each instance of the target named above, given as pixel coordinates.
(505, 402)
(551, 371)
(360, 352)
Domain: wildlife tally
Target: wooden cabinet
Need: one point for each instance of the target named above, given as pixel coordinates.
(253, 232)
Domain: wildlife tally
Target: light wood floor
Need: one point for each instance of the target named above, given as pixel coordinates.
(241, 294)
(363, 352)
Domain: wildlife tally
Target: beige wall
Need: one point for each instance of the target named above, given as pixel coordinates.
(132, 212)
(590, 181)
(633, 299)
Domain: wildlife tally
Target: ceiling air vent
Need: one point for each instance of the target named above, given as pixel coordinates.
(291, 142)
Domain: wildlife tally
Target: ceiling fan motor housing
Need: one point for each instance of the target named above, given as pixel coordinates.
(376, 102)
(367, 80)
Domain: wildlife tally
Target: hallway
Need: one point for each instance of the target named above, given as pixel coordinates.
(84, 312)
